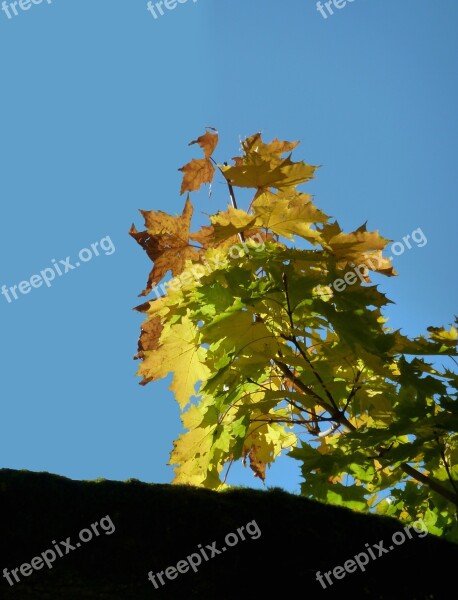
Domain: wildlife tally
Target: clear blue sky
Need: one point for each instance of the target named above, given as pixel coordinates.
(98, 103)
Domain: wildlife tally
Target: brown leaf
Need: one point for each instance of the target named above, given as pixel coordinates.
(256, 465)
(196, 173)
(166, 241)
(151, 330)
(207, 142)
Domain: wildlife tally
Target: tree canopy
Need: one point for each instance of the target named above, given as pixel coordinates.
(277, 341)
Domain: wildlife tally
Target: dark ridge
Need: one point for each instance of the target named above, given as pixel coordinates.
(156, 526)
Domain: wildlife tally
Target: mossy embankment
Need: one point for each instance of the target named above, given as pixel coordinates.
(159, 525)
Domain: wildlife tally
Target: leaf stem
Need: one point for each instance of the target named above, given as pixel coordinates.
(231, 193)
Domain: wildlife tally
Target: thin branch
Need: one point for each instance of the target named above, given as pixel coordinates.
(342, 419)
(293, 339)
(431, 483)
(311, 424)
(355, 388)
(264, 387)
(231, 194)
(228, 469)
(281, 420)
(323, 434)
(304, 388)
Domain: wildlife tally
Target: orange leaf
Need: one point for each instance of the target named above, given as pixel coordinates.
(207, 142)
(166, 241)
(196, 173)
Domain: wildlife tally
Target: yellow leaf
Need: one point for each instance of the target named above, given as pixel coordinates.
(256, 172)
(179, 353)
(361, 248)
(262, 167)
(275, 149)
(192, 451)
(229, 223)
(439, 334)
(290, 215)
(265, 441)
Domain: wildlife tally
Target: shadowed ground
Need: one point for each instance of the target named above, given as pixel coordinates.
(159, 525)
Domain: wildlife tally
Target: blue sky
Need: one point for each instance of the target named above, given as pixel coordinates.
(99, 102)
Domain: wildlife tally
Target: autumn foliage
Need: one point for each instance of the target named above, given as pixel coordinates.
(267, 357)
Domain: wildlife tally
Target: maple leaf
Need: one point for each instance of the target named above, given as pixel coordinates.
(206, 238)
(192, 450)
(239, 331)
(264, 441)
(375, 261)
(199, 453)
(288, 215)
(261, 166)
(274, 149)
(274, 348)
(207, 142)
(179, 353)
(196, 173)
(351, 245)
(360, 248)
(447, 338)
(231, 222)
(166, 241)
(224, 233)
(150, 334)
(254, 171)
(293, 173)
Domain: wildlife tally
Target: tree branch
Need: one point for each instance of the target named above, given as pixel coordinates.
(431, 483)
(354, 389)
(304, 388)
(231, 194)
(342, 420)
(294, 340)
